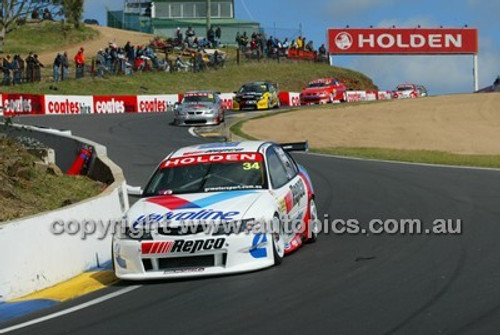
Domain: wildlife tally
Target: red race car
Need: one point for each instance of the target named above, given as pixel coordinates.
(323, 91)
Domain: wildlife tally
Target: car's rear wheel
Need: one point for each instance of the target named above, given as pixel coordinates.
(278, 240)
(312, 225)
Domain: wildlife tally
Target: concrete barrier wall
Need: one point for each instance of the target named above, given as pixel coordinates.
(33, 257)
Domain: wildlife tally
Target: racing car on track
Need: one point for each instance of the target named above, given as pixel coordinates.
(199, 108)
(405, 91)
(326, 90)
(217, 209)
(257, 95)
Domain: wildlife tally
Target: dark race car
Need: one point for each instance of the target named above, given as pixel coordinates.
(257, 95)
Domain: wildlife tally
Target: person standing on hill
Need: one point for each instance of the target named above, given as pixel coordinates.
(65, 66)
(37, 66)
(6, 68)
(30, 62)
(56, 67)
(218, 34)
(211, 36)
(16, 70)
(80, 63)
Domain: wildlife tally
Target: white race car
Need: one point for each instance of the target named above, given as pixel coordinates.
(217, 209)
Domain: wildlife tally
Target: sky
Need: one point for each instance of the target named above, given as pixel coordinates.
(440, 74)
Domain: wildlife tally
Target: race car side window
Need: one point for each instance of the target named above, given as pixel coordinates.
(290, 167)
(277, 171)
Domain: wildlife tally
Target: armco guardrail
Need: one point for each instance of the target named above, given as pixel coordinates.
(33, 257)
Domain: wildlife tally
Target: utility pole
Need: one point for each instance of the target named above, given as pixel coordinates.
(209, 15)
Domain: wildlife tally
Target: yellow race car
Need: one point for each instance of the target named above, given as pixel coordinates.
(257, 95)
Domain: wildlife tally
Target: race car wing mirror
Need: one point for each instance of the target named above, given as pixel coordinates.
(297, 146)
(134, 190)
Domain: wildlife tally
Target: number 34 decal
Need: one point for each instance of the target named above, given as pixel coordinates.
(251, 166)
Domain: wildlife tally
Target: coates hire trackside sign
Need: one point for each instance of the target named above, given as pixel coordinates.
(416, 41)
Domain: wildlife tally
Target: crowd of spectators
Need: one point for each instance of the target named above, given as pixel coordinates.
(193, 54)
(258, 45)
(17, 70)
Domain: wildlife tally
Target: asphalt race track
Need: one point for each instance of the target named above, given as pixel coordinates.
(343, 284)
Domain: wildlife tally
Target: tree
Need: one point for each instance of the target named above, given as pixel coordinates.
(73, 11)
(13, 13)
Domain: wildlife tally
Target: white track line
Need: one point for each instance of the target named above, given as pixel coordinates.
(193, 133)
(404, 163)
(70, 310)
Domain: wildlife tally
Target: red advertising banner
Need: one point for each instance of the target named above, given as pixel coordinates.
(22, 104)
(117, 104)
(413, 41)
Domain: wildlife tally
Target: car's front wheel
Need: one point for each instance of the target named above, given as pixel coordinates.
(278, 240)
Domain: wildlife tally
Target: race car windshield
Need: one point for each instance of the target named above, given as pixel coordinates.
(199, 99)
(405, 88)
(253, 89)
(318, 84)
(208, 173)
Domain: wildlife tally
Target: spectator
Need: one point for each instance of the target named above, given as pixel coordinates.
(200, 62)
(47, 15)
(244, 40)
(65, 66)
(20, 69)
(34, 14)
(37, 69)
(18, 65)
(218, 34)
(190, 34)
(30, 61)
(238, 39)
(322, 53)
(180, 65)
(6, 68)
(178, 36)
(310, 46)
(57, 66)
(80, 63)
(100, 62)
(211, 36)
(299, 43)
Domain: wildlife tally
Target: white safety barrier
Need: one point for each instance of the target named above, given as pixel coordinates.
(34, 257)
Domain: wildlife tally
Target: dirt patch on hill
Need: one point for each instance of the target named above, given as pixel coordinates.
(106, 35)
(462, 124)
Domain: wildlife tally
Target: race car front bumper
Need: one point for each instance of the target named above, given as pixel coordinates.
(191, 256)
(195, 120)
(306, 100)
(250, 104)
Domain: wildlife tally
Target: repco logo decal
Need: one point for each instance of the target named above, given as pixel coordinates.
(182, 246)
(193, 246)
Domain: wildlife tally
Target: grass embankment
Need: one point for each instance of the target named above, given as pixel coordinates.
(415, 156)
(45, 36)
(28, 188)
(410, 156)
(289, 76)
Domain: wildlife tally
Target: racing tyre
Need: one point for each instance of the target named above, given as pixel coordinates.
(278, 240)
(344, 97)
(312, 226)
(278, 104)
